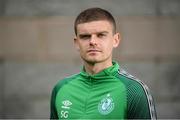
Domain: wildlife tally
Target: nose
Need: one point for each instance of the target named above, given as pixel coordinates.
(93, 40)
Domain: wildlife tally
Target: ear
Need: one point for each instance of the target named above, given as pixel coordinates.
(76, 43)
(117, 39)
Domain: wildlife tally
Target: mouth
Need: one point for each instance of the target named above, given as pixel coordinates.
(93, 51)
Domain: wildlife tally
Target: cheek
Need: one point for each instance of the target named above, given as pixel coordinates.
(107, 50)
(109, 46)
(82, 48)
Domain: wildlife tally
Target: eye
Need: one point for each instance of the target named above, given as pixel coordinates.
(85, 37)
(100, 35)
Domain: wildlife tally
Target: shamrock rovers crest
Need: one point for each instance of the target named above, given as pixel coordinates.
(106, 105)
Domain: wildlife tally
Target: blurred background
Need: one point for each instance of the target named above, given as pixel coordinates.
(36, 50)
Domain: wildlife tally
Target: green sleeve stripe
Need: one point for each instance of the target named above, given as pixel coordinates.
(146, 90)
(149, 98)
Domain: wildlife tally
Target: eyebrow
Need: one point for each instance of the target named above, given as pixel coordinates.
(84, 35)
(87, 34)
(103, 32)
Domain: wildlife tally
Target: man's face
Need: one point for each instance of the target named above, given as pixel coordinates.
(95, 41)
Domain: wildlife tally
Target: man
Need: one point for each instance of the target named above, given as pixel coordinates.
(102, 90)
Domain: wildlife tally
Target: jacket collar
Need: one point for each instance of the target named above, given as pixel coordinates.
(110, 71)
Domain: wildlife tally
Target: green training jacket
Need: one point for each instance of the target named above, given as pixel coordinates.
(109, 94)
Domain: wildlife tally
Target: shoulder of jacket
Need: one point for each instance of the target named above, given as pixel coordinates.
(134, 82)
(125, 74)
(131, 79)
(65, 80)
(136, 85)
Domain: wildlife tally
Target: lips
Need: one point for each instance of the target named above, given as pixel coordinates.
(93, 50)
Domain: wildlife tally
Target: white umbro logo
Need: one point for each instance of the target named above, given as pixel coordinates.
(66, 104)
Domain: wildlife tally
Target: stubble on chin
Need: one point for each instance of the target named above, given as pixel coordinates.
(89, 61)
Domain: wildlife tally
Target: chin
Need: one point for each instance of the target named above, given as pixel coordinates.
(93, 61)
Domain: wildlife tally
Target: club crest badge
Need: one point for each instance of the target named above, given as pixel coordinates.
(106, 105)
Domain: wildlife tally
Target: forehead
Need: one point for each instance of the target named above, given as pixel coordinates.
(94, 26)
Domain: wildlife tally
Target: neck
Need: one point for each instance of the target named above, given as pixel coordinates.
(96, 67)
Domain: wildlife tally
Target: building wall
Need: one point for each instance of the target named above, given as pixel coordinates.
(36, 50)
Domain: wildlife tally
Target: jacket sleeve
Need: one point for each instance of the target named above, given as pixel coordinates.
(53, 111)
(140, 102)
